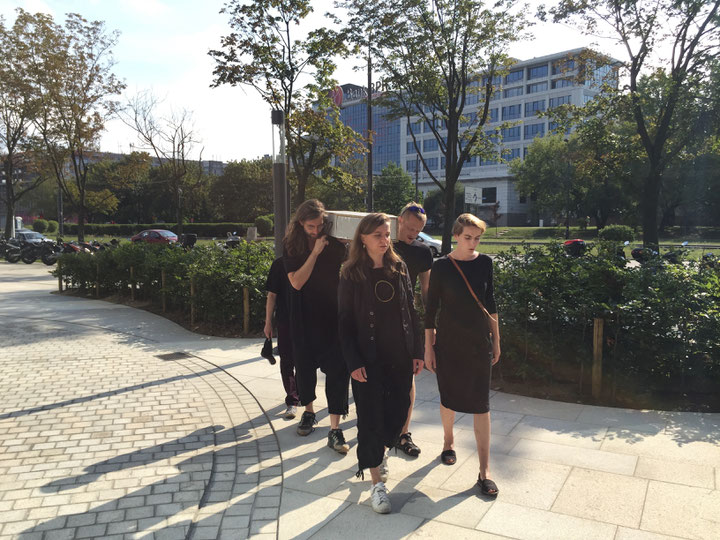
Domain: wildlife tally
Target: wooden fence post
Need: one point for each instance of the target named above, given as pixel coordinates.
(597, 358)
(246, 311)
(162, 282)
(60, 278)
(132, 283)
(97, 280)
(192, 301)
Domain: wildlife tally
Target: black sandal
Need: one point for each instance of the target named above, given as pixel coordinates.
(488, 487)
(448, 457)
(409, 447)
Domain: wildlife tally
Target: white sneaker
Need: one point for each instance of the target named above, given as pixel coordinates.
(290, 412)
(380, 499)
(383, 469)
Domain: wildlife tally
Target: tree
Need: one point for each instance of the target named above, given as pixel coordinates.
(241, 192)
(393, 189)
(170, 140)
(434, 56)
(70, 70)
(690, 31)
(18, 107)
(290, 74)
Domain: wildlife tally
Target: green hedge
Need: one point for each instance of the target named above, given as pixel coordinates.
(662, 321)
(130, 229)
(220, 276)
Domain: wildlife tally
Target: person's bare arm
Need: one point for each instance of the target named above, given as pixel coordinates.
(299, 278)
(424, 278)
(269, 308)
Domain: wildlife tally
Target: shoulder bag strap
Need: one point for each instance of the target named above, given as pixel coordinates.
(472, 292)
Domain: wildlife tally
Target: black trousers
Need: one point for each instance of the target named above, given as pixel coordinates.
(287, 364)
(382, 406)
(332, 364)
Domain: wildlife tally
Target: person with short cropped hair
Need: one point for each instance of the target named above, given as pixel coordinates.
(382, 345)
(312, 261)
(462, 340)
(418, 258)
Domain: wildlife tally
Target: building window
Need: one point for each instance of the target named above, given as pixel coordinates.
(562, 66)
(560, 100)
(534, 130)
(514, 76)
(429, 145)
(535, 72)
(562, 83)
(513, 92)
(471, 98)
(416, 127)
(488, 161)
(410, 147)
(534, 107)
(537, 87)
(427, 128)
(511, 134)
(432, 163)
(471, 120)
(493, 115)
(442, 162)
(523, 199)
(489, 195)
(514, 153)
(511, 112)
(411, 165)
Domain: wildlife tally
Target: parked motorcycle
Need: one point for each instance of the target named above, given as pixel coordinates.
(10, 249)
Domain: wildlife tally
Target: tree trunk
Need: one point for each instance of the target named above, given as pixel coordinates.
(178, 209)
(449, 220)
(81, 216)
(9, 207)
(651, 197)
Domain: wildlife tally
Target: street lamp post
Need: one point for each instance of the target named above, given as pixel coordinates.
(281, 202)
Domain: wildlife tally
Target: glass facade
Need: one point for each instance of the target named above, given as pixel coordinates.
(511, 134)
(534, 107)
(512, 112)
(562, 83)
(536, 72)
(537, 87)
(514, 76)
(386, 140)
(560, 100)
(513, 92)
(534, 130)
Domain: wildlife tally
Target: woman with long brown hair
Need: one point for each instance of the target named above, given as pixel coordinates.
(382, 345)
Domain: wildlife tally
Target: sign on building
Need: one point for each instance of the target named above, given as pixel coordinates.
(473, 195)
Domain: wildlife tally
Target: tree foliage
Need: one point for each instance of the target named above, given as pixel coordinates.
(292, 73)
(393, 189)
(673, 43)
(242, 192)
(434, 57)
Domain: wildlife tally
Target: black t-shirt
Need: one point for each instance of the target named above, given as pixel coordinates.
(389, 333)
(277, 282)
(315, 305)
(417, 257)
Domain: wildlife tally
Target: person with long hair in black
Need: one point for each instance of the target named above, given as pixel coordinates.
(382, 345)
(312, 261)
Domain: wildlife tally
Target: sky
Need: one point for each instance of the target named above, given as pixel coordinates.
(163, 48)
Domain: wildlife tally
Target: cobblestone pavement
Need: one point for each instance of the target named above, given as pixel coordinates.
(102, 436)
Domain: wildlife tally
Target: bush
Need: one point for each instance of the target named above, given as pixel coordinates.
(52, 226)
(265, 224)
(40, 225)
(129, 229)
(617, 233)
(662, 322)
(219, 275)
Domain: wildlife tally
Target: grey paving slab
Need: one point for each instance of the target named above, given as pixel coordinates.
(687, 512)
(676, 472)
(602, 496)
(588, 458)
(559, 431)
(438, 529)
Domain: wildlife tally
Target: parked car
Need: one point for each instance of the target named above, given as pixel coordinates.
(155, 236)
(434, 245)
(31, 237)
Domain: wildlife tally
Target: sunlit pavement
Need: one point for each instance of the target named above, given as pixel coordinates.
(103, 435)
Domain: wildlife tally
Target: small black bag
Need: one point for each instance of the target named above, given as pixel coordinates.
(267, 351)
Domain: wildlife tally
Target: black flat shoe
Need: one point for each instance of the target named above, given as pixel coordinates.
(488, 487)
(448, 457)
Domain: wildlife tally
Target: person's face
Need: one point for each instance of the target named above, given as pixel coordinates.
(468, 239)
(313, 227)
(377, 242)
(409, 227)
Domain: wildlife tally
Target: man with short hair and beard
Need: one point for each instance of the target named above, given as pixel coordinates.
(312, 261)
(418, 258)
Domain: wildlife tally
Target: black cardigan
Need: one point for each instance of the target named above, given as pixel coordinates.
(356, 319)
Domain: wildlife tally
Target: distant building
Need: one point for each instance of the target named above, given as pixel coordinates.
(529, 87)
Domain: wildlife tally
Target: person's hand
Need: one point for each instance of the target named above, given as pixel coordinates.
(430, 358)
(417, 365)
(268, 329)
(320, 244)
(360, 375)
(496, 354)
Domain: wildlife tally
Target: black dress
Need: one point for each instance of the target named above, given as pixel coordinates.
(462, 345)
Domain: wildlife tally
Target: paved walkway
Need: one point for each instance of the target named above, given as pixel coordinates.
(103, 435)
